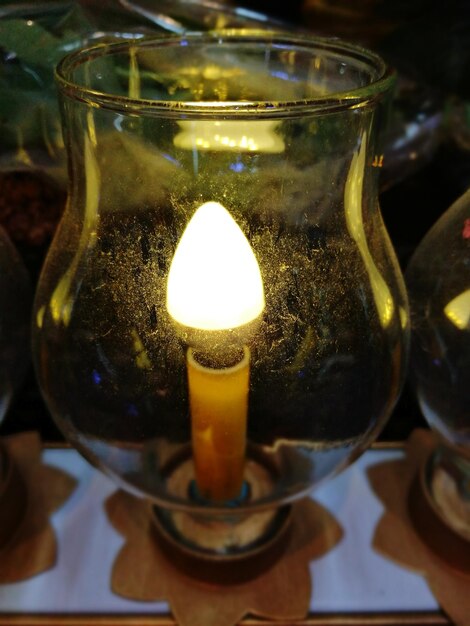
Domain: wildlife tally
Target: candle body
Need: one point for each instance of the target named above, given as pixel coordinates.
(219, 407)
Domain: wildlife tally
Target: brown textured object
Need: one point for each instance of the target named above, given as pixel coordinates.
(411, 534)
(33, 491)
(30, 206)
(13, 498)
(143, 571)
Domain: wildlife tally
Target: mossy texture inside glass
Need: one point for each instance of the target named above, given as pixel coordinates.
(326, 354)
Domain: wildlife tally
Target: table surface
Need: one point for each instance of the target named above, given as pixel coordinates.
(351, 580)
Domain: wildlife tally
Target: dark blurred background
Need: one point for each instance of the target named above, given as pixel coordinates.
(427, 156)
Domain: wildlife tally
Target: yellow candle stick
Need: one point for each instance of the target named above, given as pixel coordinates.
(219, 408)
(215, 296)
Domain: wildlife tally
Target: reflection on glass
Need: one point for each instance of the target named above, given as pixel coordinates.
(458, 310)
(355, 222)
(227, 135)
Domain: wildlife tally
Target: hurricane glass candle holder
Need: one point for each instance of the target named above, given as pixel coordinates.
(221, 322)
(438, 280)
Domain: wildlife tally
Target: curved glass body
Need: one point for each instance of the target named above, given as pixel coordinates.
(282, 133)
(438, 279)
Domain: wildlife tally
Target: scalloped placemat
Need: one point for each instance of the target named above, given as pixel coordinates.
(32, 548)
(143, 571)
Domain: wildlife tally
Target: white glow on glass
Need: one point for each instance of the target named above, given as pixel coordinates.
(229, 135)
(214, 282)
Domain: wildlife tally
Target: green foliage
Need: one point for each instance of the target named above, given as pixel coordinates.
(32, 45)
(34, 36)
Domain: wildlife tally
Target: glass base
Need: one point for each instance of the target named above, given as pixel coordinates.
(228, 545)
(230, 559)
(447, 483)
(431, 526)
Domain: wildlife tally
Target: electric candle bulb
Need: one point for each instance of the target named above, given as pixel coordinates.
(215, 285)
(214, 281)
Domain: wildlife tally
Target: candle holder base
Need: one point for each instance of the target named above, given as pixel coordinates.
(272, 581)
(436, 530)
(233, 559)
(412, 534)
(218, 532)
(445, 484)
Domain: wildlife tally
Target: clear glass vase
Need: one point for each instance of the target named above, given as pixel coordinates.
(221, 322)
(438, 279)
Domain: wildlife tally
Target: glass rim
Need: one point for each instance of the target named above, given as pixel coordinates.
(336, 101)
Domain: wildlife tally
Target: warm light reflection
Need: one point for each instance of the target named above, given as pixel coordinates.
(61, 302)
(355, 223)
(134, 74)
(458, 311)
(214, 282)
(229, 135)
(404, 317)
